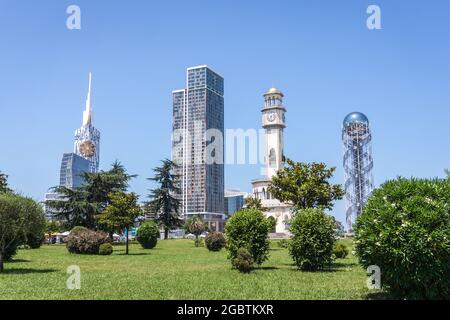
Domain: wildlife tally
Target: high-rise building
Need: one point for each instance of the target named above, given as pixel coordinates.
(274, 123)
(197, 145)
(72, 167)
(234, 201)
(87, 138)
(358, 164)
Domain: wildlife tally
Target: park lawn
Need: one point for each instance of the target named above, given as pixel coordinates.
(174, 269)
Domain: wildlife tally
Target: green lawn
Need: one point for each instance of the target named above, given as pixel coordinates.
(175, 269)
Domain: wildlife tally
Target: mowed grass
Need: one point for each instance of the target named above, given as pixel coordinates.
(175, 269)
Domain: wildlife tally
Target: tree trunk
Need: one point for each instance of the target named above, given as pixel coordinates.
(1, 263)
(126, 241)
(166, 233)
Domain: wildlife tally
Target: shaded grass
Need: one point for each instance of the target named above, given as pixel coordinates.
(175, 269)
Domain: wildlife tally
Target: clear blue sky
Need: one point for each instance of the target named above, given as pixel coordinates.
(319, 53)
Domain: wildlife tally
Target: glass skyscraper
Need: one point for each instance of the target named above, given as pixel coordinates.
(198, 125)
(72, 166)
(234, 201)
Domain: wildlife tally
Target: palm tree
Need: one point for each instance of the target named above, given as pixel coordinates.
(164, 203)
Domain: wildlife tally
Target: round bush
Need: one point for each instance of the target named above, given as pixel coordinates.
(215, 241)
(313, 237)
(405, 230)
(243, 260)
(105, 249)
(77, 230)
(148, 234)
(248, 228)
(340, 251)
(86, 242)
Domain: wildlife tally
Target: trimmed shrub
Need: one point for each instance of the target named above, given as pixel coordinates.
(86, 242)
(313, 237)
(243, 261)
(405, 230)
(215, 241)
(340, 251)
(248, 228)
(105, 249)
(147, 234)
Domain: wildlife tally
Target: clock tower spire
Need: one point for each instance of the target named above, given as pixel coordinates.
(274, 123)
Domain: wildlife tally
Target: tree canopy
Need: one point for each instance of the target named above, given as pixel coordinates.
(306, 185)
(80, 206)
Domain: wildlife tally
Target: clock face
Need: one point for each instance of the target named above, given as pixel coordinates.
(87, 149)
(271, 116)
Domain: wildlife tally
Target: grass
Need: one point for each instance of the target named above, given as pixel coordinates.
(175, 269)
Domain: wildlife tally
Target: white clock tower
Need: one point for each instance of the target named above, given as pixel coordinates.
(274, 122)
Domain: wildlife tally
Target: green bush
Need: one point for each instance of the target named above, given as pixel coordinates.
(405, 230)
(105, 249)
(340, 251)
(248, 228)
(243, 260)
(215, 241)
(78, 229)
(313, 237)
(148, 234)
(86, 241)
(34, 241)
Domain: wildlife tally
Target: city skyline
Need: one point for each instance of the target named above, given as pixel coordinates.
(398, 77)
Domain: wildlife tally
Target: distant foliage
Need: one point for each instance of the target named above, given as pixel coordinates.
(78, 229)
(248, 228)
(148, 234)
(215, 241)
(405, 230)
(340, 251)
(86, 242)
(105, 249)
(283, 243)
(313, 237)
(243, 260)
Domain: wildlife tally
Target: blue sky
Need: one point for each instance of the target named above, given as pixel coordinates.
(319, 53)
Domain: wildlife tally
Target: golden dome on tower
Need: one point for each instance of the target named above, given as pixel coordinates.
(274, 90)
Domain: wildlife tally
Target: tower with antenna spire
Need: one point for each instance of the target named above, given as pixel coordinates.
(87, 137)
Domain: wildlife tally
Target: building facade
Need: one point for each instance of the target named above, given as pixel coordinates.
(72, 167)
(197, 145)
(358, 164)
(274, 123)
(87, 137)
(234, 201)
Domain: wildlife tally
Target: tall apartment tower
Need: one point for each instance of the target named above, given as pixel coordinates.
(197, 145)
(358, 164)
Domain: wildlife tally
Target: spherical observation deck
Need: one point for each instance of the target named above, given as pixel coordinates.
(355, 117)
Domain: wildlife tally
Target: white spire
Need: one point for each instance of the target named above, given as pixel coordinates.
(87, 114)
